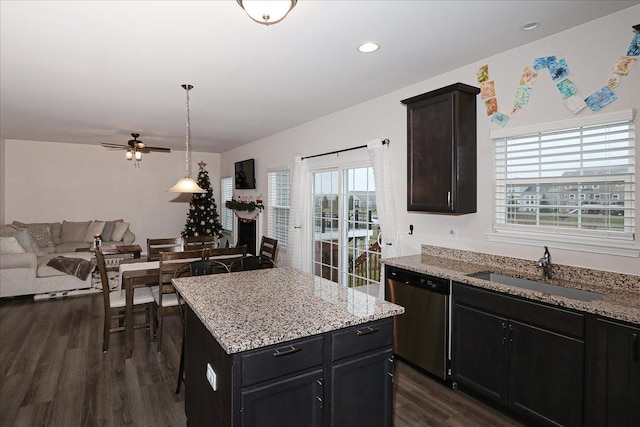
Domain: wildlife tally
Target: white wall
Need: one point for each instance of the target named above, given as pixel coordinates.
(590, 51)
(47, 182)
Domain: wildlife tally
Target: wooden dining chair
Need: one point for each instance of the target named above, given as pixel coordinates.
(114, 306)
(196, 268)
(200, 242)
(227, 255)
(268, 248)
(168, 244)
(251, 262)
(166, 298)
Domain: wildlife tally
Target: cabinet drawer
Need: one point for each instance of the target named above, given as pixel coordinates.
(362, 338)
(279, 360)
(555, 319)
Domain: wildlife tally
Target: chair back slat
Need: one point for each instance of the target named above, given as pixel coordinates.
(170, 262)
(169, 244)
(200, 242)
(227, 255)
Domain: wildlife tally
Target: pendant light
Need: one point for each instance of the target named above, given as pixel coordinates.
(186, 184)
(267, 12)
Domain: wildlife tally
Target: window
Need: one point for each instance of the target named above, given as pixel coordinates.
(278, 205)
(345, 226)
(540, 167)
(226, 193)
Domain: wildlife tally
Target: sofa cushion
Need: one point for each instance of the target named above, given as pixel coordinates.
(109, 226)
(41, 236)
(95, 228)
(10, 245)
(55, 228)
(70, 247)
(74, 231)
(26, 260)
(22, 236)
(118, 232)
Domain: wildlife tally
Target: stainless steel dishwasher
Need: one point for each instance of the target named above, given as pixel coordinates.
(421, 334)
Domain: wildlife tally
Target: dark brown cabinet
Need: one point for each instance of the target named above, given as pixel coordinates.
(339, 378)
(526, 356)
(441, 150)
(613, 373)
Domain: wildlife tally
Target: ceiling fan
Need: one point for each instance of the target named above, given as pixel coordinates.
(135, 148)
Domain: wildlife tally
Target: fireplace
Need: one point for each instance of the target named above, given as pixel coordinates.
(247, 235)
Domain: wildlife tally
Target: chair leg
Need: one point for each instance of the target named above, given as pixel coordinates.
(151, 321)
(181, 370)
(106, 332)
(159, 331)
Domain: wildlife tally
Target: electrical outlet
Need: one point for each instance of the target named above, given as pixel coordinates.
(212, 378)
(453, 234)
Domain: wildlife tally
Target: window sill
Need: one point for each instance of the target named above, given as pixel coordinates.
(592, 245)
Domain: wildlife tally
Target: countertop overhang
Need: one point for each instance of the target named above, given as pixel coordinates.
(253, 309)
(620, 300)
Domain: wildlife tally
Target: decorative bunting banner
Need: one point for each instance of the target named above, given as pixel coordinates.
(559, 72)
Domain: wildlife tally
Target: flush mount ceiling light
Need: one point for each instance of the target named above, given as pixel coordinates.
(530, 26)
(186, 184)
(368, 47)
(267, 12)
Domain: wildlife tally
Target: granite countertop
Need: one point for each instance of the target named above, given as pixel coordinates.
(253, 309)
(620, 292)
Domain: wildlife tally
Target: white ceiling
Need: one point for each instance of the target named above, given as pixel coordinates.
(95, 71)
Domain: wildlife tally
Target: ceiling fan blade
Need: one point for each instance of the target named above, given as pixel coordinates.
(110, 145)
(158, 149)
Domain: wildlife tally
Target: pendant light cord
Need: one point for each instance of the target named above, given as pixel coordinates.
(187, 87)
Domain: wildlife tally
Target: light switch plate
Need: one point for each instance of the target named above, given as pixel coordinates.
(212, 378)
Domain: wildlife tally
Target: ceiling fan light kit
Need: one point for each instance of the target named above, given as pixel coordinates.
(187, 184)
(267, 12)
(135, 148)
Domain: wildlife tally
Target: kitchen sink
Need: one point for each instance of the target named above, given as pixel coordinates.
(533, 285)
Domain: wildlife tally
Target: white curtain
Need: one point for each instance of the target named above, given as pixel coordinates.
(389, 242)
(298, 214)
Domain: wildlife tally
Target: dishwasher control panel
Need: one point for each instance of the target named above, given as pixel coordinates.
(435, 284)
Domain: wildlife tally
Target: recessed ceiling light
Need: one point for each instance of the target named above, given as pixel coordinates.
(530, 26)
(368, 47)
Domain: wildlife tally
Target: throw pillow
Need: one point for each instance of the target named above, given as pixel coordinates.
(10, 245)
(95, 227)
(73, 231)
(109, 226)
(22, 236)
(118, 232)
(41, 236)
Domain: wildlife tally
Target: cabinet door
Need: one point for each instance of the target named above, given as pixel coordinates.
(546, 375)
(430, 169)
(617, 384)
(295, 401)
(479, 352)
(362, 391)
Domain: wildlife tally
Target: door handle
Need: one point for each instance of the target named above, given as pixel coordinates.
(449, 198)
(511, 333)
(635, 347)
(504, 333)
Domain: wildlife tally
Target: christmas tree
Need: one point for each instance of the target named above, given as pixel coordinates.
(202, 219)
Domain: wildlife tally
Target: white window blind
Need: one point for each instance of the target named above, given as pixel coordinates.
(278, 205)
(577, 180)
(226, 193)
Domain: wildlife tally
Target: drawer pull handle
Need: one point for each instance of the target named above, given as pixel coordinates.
(286, 351)
(367, 331)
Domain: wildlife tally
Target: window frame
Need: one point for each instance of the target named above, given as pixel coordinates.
(272, 227)
(226, 214)
(624, 243)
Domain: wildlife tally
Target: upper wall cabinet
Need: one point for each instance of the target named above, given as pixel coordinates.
(441, 150)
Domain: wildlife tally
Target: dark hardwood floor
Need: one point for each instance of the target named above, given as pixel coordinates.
(53, 373)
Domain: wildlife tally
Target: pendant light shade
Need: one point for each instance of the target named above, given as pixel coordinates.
(186, 184)
(267, 12)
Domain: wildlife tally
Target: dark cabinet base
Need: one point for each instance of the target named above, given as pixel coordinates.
(339, 378)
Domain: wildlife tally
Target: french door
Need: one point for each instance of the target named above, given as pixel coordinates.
(345, 228)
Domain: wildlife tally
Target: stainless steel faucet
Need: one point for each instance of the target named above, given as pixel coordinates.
(545, 263)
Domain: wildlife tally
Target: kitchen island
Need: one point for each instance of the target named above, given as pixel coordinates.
(283, 347)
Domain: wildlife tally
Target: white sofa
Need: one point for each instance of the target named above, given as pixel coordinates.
(27, 273)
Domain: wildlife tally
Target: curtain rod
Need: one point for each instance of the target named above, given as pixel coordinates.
(384, 141)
